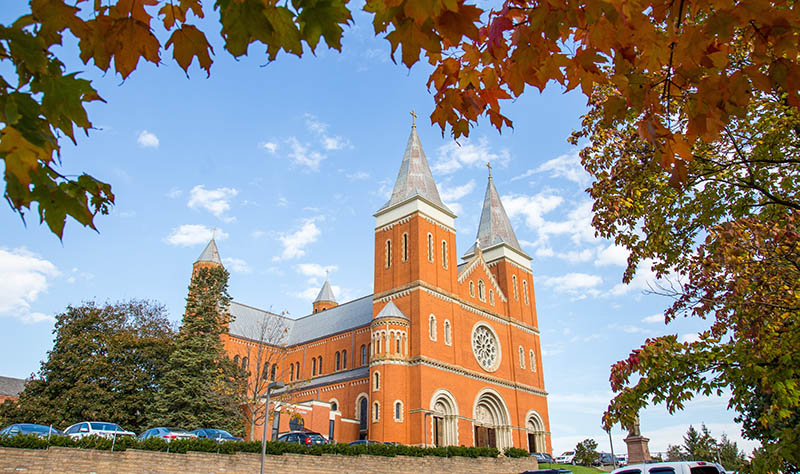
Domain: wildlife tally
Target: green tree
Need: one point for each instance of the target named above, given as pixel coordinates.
(200, 386)
(586, 452)
(729, 455)
(675, 453)
(700, 445)
(105, 365)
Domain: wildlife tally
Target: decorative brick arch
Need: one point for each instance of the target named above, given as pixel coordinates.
(534, 425)
(444, 419)
(490, 412)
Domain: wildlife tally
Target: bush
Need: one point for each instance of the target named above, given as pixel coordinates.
(516, 453)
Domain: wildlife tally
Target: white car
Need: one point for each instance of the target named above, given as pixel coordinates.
(99, 428)
(676, 467)
(567, 457)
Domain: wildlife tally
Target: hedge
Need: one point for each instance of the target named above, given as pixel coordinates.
(205, 445)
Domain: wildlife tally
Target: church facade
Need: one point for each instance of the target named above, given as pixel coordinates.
(442, 353)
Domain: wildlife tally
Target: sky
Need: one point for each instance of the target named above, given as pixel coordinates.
(289, 161)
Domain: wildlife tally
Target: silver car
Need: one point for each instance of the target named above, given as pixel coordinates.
(99, 428)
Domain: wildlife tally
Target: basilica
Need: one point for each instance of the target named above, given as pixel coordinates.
(442, 353)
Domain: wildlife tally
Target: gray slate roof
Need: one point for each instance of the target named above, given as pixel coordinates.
(337, 377)
(326, 293)
(391, 310)
(494, 227)
(210, 253)
(414, 177)
(11, 386)
(341, 318)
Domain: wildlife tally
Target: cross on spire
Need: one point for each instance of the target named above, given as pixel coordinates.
(413, 118)
(489, 165)
(213, 233)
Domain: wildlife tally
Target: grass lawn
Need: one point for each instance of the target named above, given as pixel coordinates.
(570, 467)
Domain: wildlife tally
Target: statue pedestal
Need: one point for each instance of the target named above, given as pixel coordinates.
(638, 452)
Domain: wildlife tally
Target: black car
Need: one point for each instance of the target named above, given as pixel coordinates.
(543, 457)
(220, 436)
(307, 438)
(41, 431)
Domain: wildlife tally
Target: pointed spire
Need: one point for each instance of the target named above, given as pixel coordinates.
(415, 178)
(210, 254)
(326, 293)
(494, 227)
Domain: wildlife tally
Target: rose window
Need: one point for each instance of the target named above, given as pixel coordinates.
(485, 347)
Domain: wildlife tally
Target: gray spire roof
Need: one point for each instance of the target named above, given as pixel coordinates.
(494, 227)
(414, 177)
(210, 254)
(326, 293)
(391, 310)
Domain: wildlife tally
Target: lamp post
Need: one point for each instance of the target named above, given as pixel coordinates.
(272, 386)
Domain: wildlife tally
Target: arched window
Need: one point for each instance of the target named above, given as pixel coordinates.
(521, 357)
(236, 359)
(514, 286)
(472, 288)
(363, 354)
(363, 408)
(245, 363)
(525, 290)
(533, 360)
(398, 411)
(338, 364)
(376, 411)
(297, 370)
(313, 366)
(273, 371)
(432, 327)
(388, 253)
(405, 247)
(265, 371)
(430, 247)
(319, 364)
(344, 359)
(491, 297)
(481, 290)
(447, 335)
(397, 343)
(334, 405)
(444, 254)
(376, 381)
(291, 372)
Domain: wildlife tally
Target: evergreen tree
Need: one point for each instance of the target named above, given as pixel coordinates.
(200, 386)
(700, 445)
(729, 455)
(104, 365)
(586, 452)
(675, 453)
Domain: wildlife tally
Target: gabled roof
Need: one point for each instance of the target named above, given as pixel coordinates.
(414, 177)
(11, 386)
(210, 253)
(391, 311)
(494, 227)
(340, 318)
(326, 293)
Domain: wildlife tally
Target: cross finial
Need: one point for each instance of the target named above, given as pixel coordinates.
(489, 165)
(213, 233)
(327, 272)
(413, 118)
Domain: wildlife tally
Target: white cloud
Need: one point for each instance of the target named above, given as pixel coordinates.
(147, 140)
(257, 234)
(628, 328)
(310, 293)
(294, 244)
(271, 147)
(315, 269)
(188, 235)
(174, 193)
(329, 142)
(577, 256)
(612, 255)
(215, 201)
(571, 282)
(644, 280)
(567, 166)
(25, 276)
(455, 193)
(453, 156)
(532, 209)
(654, 318)
(690, 337)
(303, 155)
(357, 176)
(237, 265)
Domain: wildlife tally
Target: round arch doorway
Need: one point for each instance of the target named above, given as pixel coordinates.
(491, 421)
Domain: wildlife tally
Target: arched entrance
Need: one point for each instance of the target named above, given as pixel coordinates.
(536, 432)
(491, 421)
(362, 413)
(444, 423)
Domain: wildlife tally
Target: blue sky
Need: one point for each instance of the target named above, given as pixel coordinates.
(289, 161)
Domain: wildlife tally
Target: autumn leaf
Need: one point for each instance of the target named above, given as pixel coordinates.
(187, 43)
(21, 156)
(323, 18)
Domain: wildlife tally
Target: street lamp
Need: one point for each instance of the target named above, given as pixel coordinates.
(272, 386)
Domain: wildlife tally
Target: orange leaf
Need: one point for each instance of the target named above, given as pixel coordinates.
(187, 43)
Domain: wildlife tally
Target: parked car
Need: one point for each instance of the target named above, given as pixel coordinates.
(622, 459)
(549, 471)
(99, 428)
(604, 459)
(567, 457)
(676, 467)
(220, 436)
(167, 434)
(543, 457)
(303, 437)
(364, 442)
(29, 428)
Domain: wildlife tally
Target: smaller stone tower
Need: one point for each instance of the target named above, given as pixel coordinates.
(325, 298)
(209, 258)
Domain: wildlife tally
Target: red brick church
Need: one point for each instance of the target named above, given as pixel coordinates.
(442, 353)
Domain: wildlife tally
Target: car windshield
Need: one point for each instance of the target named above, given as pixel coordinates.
(218, 433)
(105, 427)
(178, 431)
(38, 429)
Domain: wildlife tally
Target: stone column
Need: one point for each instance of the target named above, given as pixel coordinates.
(638, 451)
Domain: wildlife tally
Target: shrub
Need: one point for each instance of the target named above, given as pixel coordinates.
(516, 453)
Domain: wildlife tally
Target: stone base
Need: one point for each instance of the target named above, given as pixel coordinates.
(638, 451)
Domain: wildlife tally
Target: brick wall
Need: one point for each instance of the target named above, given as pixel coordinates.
(73, 460)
